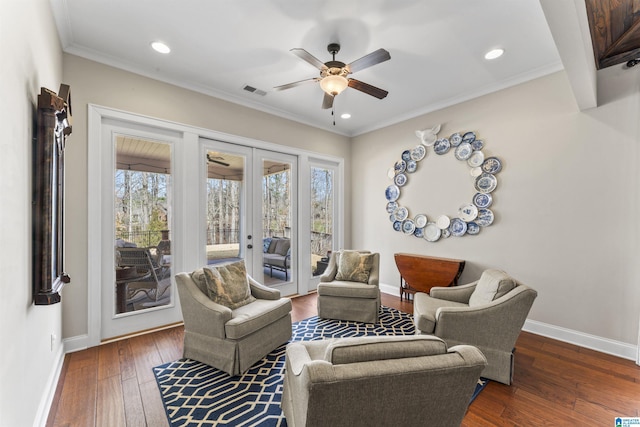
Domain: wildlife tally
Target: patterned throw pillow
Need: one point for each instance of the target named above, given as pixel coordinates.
(354, 266)
(266, 242)
(228, 285)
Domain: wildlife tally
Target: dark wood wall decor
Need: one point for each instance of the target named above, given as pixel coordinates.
(615, 30)
(53, 127)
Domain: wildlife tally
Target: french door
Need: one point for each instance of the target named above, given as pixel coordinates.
(250, 203)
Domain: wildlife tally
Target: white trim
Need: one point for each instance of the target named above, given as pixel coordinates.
(581, 339)
(44, 407)
(77, 343)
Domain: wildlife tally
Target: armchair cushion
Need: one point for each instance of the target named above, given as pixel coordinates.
(492, 285)
(228, 285)
(367, 349)
(354, 266)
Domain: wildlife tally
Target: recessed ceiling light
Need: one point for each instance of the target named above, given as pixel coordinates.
(346, 116)
(160, 47)
(494, 53)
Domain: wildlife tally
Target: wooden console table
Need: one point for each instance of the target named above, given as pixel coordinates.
(419, 273)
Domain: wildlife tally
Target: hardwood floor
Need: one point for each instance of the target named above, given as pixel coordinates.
(554, 383)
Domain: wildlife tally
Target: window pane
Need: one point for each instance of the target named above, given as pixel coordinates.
(322, 181)
(276, 221)
(142, 224)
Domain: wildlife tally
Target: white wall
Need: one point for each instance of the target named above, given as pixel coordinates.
(566, 205)
(31, 58)
(94, 83)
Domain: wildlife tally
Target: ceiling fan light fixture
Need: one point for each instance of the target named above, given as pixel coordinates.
(333, 84)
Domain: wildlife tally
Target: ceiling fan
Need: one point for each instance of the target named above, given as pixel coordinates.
(333, 74)
(217, 159)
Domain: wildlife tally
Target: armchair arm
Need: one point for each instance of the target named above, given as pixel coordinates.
(460, 293)
(374, 275)
(261, 291)
(332, 269)
(478, 325)
(298, 357)
(201, 315)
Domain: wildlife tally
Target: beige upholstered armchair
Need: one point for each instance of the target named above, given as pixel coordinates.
(488, 313)
(348, 289)
(379, 381)
(227, 334)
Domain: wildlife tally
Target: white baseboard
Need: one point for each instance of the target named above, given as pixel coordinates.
(77, 343)
(40, 420)
(581, 339)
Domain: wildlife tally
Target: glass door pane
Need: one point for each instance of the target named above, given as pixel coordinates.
(322, 205)
(225, 193)
(142, 215)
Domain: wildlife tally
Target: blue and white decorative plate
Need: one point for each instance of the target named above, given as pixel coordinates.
(391, 207)
(408, 226)
(485, 217)
(392, 193)
(463, 151)
(441, 146)
(397, 225)
(419, 232)
(412, 165)
(400, 166)
(477, 144)
(401, 213)
(446, 233)
(406, 155)
(455, 139)
(418, 153)
(473, 228)
(432, 233)
(469, 137)
(458, 227)
(492, 165)
(468, 212)
(400, 179)
(486, 183)
(482, 200)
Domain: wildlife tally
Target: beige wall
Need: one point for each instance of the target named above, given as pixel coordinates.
(566, 205)
(31, 58)
(94, 83)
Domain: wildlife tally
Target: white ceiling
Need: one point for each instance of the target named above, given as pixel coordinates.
(437, 50)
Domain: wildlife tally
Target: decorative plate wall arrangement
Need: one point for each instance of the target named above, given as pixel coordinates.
(471, 216)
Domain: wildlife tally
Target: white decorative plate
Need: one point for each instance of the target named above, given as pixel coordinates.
(432, 233)
(455, 139)
(476, 159)
(486, 183)
(463, 151)
(468, 212)
(420, 220)
(443, 222)
(391, 173)
(475, 172)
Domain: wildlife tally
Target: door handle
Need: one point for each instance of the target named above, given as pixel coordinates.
(249, 246)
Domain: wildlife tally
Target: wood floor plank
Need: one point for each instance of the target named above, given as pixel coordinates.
(153, 407)
(555, 383)
(133, 408)
(110, 403)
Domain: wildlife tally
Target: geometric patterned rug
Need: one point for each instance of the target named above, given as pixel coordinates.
(198, 395)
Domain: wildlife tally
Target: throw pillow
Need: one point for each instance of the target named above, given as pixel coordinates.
(266, 242)
(492, 285)
(228, 285)
(282, 246)
(272, 245)
(354, 266)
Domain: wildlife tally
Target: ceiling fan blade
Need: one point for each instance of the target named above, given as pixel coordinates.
(366, 61)
(368, 89)
(327, 101)
(303, 54)
(215, 160)
(298, 83)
